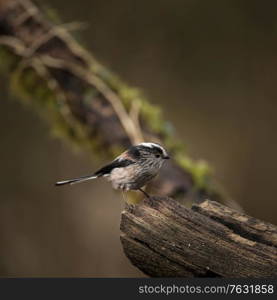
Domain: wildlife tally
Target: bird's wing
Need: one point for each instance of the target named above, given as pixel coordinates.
(117, 163)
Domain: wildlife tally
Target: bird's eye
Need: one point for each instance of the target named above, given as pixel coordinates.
(157, 155)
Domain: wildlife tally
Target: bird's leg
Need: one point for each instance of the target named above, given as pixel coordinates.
(123, 195)
(145, 194)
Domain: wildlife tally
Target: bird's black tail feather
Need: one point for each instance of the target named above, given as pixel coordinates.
(77, 180)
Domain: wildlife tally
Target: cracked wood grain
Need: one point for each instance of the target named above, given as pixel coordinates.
(165, 239)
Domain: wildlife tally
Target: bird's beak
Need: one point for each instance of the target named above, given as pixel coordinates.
(166, 157)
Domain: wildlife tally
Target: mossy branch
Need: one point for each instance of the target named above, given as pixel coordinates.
(86, 103)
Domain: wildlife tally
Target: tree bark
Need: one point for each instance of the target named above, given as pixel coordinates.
(87, 103)
(165, 239)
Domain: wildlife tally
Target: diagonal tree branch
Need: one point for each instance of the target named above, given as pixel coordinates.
(88, 104)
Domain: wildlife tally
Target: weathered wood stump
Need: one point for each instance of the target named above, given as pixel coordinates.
(165, 239)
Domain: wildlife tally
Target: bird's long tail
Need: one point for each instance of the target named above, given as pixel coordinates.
(77, 180)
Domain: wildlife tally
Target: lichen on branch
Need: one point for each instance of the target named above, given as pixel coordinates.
(86, 103)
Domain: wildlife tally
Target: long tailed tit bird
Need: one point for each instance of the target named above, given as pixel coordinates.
(131, 170)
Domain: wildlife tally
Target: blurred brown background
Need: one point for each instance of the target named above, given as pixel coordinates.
(211, 65)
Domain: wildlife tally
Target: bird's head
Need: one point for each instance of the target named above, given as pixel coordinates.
(151, 153)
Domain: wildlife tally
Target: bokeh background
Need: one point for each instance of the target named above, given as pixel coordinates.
(211, 65)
